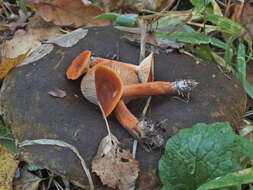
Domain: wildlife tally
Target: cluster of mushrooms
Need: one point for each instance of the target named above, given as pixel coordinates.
(113, 84)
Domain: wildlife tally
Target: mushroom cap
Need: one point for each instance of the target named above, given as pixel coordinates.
(144, 69)
(79, 65)
(104, 85)
(109, 88)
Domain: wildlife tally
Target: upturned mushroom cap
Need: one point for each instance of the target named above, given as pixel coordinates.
(144, 69)
(109, 88)
(104, 85)
(79, 65)
(126, 71)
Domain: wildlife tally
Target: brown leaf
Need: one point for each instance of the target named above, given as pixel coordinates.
(57, 93)
(26, 181)
(8, 63)
(7, 169)
(68, 12)
(138, 5)
(242, 15)
(21, 43)
(115, 166)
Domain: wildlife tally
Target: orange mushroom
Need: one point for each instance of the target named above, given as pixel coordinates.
(109, 88)
(79, 65)
(112, 82)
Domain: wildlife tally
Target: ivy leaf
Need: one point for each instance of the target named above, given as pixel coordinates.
(197, 155)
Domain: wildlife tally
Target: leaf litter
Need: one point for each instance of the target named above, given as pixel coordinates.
(115, 166)
(68, 12)
(26, 180)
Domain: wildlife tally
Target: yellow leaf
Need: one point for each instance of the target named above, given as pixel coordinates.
(8, 63)
(7, 169)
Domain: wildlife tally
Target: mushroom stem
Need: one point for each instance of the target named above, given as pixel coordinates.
(128, 120)
(182, 87)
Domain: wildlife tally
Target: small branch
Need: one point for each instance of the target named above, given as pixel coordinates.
(143, 27)
(227, 8)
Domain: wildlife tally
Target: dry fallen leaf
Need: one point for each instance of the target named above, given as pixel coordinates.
(7, 168)
(138, 5)
(57, 93)
(68, 12)
(69, 39)
(115, 166)
(21, 43)
(243, 17)
(9, 63)
(26, 181)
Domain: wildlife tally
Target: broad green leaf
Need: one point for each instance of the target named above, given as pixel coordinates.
(224, 24)
(194, 156)
(108, 16)
(126, 19)
(246, 147)
(229, 50)
(192, 38)
(231, 179)
(6, 139)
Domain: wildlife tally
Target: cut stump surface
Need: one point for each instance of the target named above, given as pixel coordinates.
(33, 114)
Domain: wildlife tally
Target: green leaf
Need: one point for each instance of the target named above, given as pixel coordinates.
(200, 5)
(204, 51)
(241, 69)
(225, 24)
(126, 19)
(194, 156)
(6, 139)
(246, 147)
(229, 50)
(108, 16)
(192, 38)
(218, 59)
(231, 179)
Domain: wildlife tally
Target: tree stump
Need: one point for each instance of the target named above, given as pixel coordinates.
(33, 114)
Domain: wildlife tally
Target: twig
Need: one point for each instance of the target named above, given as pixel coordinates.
(60, 143)
(240, 10)
(220, 2)
(228, 7)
